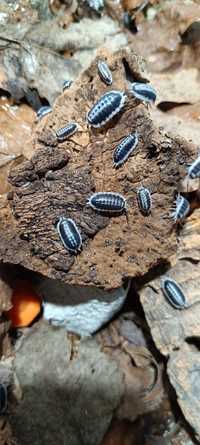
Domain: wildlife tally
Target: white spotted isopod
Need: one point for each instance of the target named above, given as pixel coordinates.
(67, 84)
(144, 200)
(65, 132)
(106, 108)
(194, 169)
(125, 149)
(143, 92)
(107, 202)
(182, 209)
(104, 72)
(43, 111)
(69, 234)
(175, 295)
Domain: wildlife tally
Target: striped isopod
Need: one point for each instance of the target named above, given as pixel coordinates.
(107, 202)
(65, 132)
(104, 72)
(194, 169)
(69, 234)
(144, 92)
(3, 398)
(144, 200)
(125, 149)
(181, 210)
(67, 84)
(175, 295)
(106, 108)
(43, 111)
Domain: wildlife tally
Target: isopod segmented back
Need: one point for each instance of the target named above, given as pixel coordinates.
(125, 149)
(194, 169)
(143, 91)
(65, 132)
(106, 108)
(144, 200)
(182, 209)
(104, 72)
(69, 234)
(107, 202)
(173, 293)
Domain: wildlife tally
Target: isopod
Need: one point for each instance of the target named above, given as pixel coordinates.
(144, 92)
(175, 295)
(69, 234)
(43, 111)
(104, 72)
(67, 84)
(107, 202)
(106, 108)
(144, 200)
(125, 149)
(194, 169)
(65, 132)
(181, 210)
(3, 398)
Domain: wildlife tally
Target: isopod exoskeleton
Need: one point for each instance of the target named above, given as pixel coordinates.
(69, 234)
(125, 149)
(107, 202)
(43, 111)
(144, 200)
(194, 169)
(65, 132)
(173, 293)
(182, 209)
(104, 72)
(106, 108)
(143, 92)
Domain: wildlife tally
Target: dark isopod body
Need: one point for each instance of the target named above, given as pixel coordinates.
(144, 200)
(144, 92)
(65, 132)
(106, 108)
(181, 210)
(173, 293)
(67, 84)
(69, 234)
(194, 169)
(3, 398)
(107, 202)
(43, 111)
(125, 149)
(104, 72)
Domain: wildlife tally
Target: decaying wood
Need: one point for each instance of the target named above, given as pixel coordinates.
(59, 178)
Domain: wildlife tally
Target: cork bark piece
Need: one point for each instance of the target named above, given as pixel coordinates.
(59, 178)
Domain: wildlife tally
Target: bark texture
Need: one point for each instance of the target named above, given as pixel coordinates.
(60, 177)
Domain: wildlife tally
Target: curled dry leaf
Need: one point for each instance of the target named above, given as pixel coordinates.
(143, 390)
(172, 328)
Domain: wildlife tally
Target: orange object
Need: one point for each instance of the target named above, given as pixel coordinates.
(26, 305)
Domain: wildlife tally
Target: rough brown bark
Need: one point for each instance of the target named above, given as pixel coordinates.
(60, 177)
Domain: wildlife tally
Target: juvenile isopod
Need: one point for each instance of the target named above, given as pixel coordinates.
(106, 108)
(125, 149)
(67, 84)
(104, 72)
(65, 132)
(3, 398)
(174, 294)
(69, 234)
(107, 202)
(181, 210)
(194, 169)
(144, 200)
(143, 92)
(43, 111)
